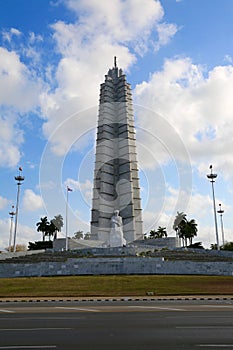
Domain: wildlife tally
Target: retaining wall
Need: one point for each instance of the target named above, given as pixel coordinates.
(114, 266)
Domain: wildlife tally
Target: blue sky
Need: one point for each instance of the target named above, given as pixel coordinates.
(178, 57)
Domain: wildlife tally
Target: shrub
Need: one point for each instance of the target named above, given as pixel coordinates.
(40, 245)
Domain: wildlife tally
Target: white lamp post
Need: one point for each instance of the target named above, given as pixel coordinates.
(68, 189)
(19, 180)
(212, 177)
(220, 211)
(12, 214)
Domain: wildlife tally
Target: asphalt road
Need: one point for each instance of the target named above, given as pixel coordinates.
(126, 325)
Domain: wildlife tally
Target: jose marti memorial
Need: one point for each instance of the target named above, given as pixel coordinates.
(116, 217)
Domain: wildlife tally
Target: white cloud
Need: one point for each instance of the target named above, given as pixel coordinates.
(17, 89)
(4, 233)
(228, 59)
(85, 189)
(32, 201)
(33, 38)
(197, 107)
(165, 32)
(197, 206)
(122, 21)
(10, 140)
(87, 46)
(3, 202)
(77, 185)
(8, 34)
(15, 31)
(24, 234)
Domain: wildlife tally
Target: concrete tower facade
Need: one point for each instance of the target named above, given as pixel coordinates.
(116, 180)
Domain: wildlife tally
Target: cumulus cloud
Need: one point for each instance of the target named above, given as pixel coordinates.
(18, 90)
(87, 46)
(32, 201)
(122, 21)
(197, 106)
(11, 137)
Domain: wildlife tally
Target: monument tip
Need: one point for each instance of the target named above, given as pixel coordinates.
(115, 61)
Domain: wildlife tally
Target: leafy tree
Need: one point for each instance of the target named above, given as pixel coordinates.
(43, 226)
(227, 246)
(87, 235)
(18, 248)
(78, 235)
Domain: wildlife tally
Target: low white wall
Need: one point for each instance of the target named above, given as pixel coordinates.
(114, 266)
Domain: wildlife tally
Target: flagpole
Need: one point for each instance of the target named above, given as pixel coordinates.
(67, 218)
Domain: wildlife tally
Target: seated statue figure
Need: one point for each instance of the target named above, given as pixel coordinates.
(116, 234)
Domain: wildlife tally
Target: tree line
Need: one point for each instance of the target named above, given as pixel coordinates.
(50, 228)
(185, 229)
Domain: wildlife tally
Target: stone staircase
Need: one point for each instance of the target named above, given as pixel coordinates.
(172, 255)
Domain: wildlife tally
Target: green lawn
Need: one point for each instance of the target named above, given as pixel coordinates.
(83, 286)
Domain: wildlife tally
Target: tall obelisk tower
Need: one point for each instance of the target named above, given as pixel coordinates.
(116, 181)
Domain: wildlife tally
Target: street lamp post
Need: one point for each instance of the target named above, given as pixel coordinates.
(212, 177)
(19, 178)
(68, 189)
(221, 211)
(12, 214)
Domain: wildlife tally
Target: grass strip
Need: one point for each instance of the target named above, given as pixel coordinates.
(115, 285)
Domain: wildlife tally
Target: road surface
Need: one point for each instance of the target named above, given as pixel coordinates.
(117, 325)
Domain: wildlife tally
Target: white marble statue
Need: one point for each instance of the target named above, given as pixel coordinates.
(116, 234)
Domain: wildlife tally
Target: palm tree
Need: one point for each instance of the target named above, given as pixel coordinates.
(185, 229)
(179, 222)
(152, 234)
(43, 226)
(52, 230)
(191, 230)
(58, 224)
(161, 232)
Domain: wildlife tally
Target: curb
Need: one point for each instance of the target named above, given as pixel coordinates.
(23, 300)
